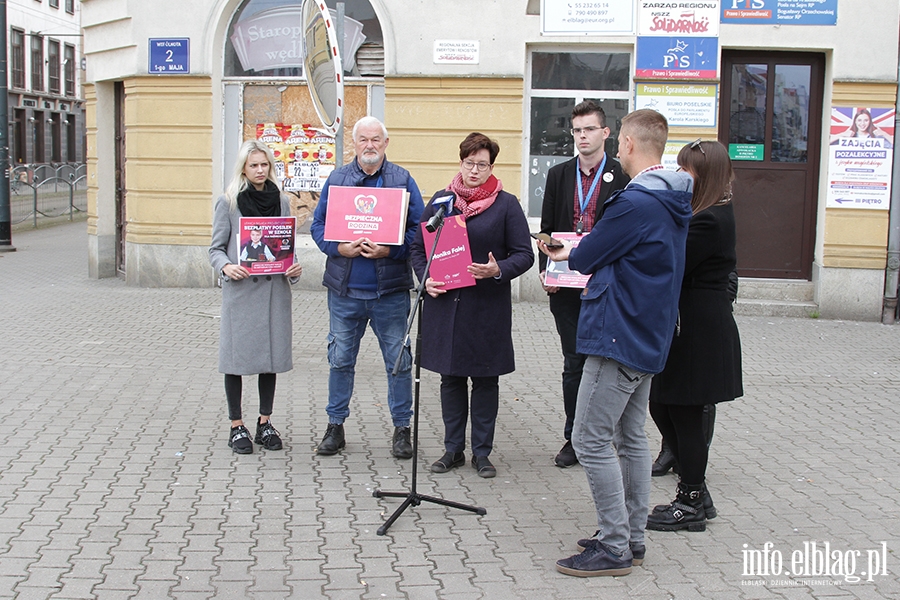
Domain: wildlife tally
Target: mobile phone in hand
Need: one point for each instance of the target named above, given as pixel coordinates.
(551, 242)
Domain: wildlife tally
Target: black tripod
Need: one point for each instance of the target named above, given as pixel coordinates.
(413, 498)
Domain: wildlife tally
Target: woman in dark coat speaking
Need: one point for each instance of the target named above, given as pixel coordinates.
(467, 332)
(704, 363)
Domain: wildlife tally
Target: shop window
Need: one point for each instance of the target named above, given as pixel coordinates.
(71, 138)
(55, 138)
(37, 121)
(265, 39)
(559, 81)
(19, 129)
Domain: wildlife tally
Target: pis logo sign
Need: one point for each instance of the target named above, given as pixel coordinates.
(677, 57)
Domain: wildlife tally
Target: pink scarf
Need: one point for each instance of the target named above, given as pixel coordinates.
(473, 201)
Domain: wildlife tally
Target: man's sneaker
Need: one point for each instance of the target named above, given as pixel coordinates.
(566, 456)
(484, 467)
(401, 447)
(267, 436)
(638, 551)
(450, 460)
(333, 440)
(596, 560)
(239, 440)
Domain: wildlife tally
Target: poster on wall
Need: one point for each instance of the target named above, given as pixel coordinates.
(587, 17)
(860, 156)
(780, 12)
(680, 17)
(683, 105)
(681, 58)
(304, 156)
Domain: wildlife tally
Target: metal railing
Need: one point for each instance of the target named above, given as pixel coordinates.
(47, 190)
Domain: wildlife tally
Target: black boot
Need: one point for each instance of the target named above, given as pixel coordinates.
(333, 440)
(664, 462)
(711, 512)
(685, 512)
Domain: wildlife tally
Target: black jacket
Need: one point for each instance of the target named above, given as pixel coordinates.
(704, 363)
(558, 210)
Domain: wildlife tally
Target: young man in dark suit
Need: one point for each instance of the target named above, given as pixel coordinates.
(573, 201)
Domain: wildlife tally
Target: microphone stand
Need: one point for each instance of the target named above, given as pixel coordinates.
(413, 498)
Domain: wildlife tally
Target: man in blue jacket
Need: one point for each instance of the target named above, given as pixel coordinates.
(635, 255)
(368, 283)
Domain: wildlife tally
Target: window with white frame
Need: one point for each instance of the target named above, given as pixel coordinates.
(17, 57)
(69, 69)
(559, 81)
(37, 63)
(53, 66)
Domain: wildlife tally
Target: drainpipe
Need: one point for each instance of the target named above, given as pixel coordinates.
(893, 250)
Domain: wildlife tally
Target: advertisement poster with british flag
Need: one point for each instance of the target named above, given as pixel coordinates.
(861, 152)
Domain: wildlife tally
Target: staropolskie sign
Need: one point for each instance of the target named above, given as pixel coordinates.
(273, 39)
(270, 39)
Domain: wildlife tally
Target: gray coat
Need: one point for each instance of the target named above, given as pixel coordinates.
(255, 333)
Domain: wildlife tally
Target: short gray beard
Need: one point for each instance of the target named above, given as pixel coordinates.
(369, 161)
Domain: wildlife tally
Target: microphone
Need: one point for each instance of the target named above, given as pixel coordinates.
(445, 205)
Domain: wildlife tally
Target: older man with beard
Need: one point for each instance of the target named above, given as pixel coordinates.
(368, 283)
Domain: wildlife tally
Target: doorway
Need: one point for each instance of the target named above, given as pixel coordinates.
(771, 121)
(121, 215)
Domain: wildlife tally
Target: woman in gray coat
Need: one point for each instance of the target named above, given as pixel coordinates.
(255, 334)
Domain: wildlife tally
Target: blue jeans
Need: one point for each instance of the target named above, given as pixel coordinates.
(612, 408)
(348, 319)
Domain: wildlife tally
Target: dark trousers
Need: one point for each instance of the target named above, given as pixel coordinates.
(682, 428)
(565, 305)
(455, 411)
(234, 386)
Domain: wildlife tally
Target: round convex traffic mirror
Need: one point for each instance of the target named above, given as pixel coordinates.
(322, 65)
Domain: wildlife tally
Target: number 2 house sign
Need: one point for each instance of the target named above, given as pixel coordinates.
(170, 56)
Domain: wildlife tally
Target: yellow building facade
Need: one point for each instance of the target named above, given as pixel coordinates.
(161, 147)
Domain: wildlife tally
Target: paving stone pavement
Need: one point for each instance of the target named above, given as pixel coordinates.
(116, 481)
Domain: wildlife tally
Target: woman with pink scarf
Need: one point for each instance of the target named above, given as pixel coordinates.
(467, 332)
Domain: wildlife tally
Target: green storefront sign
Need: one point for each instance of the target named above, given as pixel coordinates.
(746, 151)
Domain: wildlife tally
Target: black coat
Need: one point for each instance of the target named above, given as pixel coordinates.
(467, 332)
(558, 209)
(704, 363)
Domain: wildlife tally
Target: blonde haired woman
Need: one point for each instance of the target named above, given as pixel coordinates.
(255, 333)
